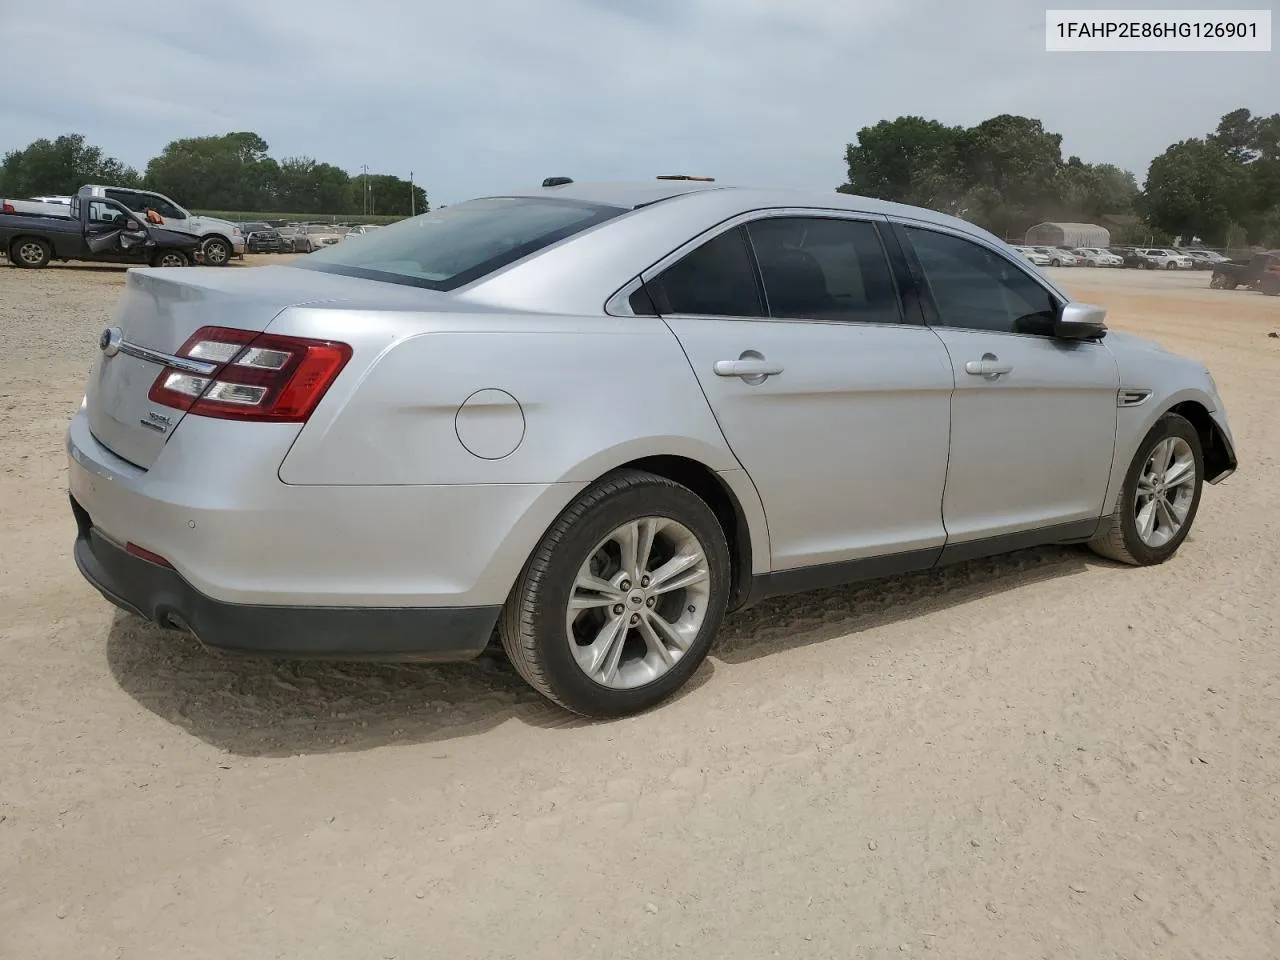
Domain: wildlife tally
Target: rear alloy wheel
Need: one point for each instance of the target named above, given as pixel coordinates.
(170, 258)
(217, 252)
(621, 600)
(30, 252)
(1159, 498)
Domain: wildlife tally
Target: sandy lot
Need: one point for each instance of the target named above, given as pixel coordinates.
(1044, 755)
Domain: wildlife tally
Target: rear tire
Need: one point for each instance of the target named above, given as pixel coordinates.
(170, 258)
(604, 636)
(1144, 528)
(30, 253)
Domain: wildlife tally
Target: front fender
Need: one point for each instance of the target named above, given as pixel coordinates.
(1135, 422)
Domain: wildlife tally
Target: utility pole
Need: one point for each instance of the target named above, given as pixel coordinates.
(364, 183)
(412, 198)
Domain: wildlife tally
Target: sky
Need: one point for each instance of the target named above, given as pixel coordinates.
(479, 96)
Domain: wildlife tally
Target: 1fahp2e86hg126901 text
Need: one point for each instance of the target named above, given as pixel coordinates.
(1145, 30)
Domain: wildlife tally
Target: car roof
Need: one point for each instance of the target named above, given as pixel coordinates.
(630, 195)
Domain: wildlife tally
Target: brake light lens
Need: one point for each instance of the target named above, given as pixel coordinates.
(257, 376)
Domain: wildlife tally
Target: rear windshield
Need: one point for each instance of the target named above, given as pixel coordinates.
(447, 248)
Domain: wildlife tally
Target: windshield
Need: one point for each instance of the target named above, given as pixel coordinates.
(447, 248)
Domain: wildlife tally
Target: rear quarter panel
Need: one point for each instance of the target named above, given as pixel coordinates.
(592, 393)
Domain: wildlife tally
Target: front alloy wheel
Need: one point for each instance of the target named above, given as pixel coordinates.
(1159, 498)
(619, 603)
(217, 252)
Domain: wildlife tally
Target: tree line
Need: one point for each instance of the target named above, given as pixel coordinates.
(1005, 174)
(231, 172)
(1008, 173)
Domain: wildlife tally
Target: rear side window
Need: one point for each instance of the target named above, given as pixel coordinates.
(447, 248)
(717, 280)
(821, 268)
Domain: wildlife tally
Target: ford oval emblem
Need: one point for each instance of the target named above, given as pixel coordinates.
(109, 342)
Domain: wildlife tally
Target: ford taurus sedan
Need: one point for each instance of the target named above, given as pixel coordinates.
(591, 418)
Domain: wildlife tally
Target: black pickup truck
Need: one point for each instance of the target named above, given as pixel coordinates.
(96, 229)
(1260, 272)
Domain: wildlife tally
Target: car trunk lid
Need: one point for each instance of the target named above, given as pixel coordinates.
(158, 313)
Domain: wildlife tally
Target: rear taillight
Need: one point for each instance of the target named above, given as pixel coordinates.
(257, 376)
(8, 208)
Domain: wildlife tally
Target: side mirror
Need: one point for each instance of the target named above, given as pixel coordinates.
(1081, 321)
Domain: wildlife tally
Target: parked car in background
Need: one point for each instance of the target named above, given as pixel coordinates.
(597, 416)
(1039, 259)
(261, 237)
(1167, 259)
(316, 236)
(220, 239)
(1137, 259)
(360, 230)
(1057, 258)
(288, 237)
(1205, 259)
(1097, 257)
(96, 229)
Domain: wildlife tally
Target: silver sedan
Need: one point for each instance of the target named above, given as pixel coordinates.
(592, 418)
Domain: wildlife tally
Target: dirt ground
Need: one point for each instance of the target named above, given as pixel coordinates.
(1044, 755)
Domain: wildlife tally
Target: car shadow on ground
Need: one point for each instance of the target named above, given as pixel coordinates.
(255, 707)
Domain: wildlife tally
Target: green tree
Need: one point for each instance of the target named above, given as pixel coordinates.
(383, 194)
(60, 167)
(1196, 188)
(305, 186)
(230, 172)
(907, 160)
(1010, 166)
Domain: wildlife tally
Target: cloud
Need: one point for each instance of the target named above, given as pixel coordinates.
(490, 94)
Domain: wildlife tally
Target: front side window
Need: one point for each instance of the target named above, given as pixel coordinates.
(162, 207)
(823, 268)
(460, 243)
(715, 280)
(976, 289)
(103, 214)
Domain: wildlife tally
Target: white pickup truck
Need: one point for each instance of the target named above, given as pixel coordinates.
(221, 239)
(38, 206)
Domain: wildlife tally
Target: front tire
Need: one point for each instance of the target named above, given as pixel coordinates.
(1160, 496)
(217, 252)
(31, 253)
(620, 602)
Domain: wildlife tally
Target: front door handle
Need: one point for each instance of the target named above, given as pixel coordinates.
(748, 367)
(989, 366)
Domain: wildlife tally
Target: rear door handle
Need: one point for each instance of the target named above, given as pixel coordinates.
(747, 369)
(988, 366)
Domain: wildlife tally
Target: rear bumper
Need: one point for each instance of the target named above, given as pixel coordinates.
(160, 594)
